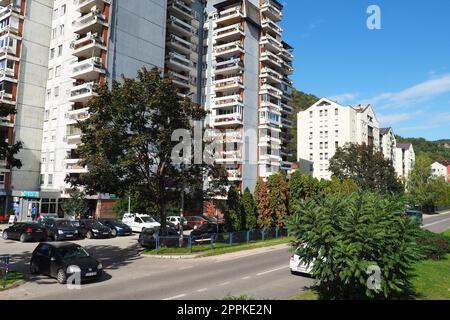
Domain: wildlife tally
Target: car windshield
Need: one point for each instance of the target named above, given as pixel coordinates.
(147, 219)
(72, 252)
(64, 223)
(96, 224)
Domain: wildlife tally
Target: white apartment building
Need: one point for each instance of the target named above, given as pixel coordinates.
(405, 159)
(441, 169)
(388, 144)
(327, 125)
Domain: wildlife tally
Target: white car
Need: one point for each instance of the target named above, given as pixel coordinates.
(139, 222)
(298, 266)
(176, 220)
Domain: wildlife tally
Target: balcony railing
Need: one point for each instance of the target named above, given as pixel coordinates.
(92, 18)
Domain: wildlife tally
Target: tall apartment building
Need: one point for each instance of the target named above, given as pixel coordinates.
(388, 144)
(405, 159)
(24, 43)
(248, 89)
(328, 125)
(226, 54)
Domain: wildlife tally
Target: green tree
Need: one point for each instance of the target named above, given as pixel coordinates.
(233, 214)
(368, 168)
(76, 206)
(262, 204)
(128, 148)
(249, 221)
(9, 151)
(423, 189)
(278, 198)
(347, 237)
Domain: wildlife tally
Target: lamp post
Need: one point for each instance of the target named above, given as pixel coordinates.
(182, 206)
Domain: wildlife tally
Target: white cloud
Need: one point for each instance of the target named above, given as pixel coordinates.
(344, 97)
(394, 118)
(418, 93)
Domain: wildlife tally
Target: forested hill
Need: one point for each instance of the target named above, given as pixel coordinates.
(436, 150)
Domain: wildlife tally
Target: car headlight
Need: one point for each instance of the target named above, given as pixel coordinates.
(73, 269)
(100, 266)
(60, 232)
(95, 230)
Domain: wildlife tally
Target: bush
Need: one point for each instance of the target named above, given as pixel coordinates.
(348, 237)
(432, 245)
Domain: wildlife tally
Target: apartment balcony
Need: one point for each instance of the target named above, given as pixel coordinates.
(286, 123)
(273, 104)
(272, 44)
(179, 62)
(286, 55)
(271, 90)
(6, 122)
(270, 26)
(82, 93)
(271, 60)
(88, 70)
(269, 75)
(7, 98)
(272, 10)
(286, 109)
(8, 10)
(226, 120)
(230, 16)
(286, 166)
(73, 135)
(75, 168)
(228, 157)
(7, 75)
(229, 33)
(180, 9)
(73, 118)
(93, 21)
(228, 84)
(179, 79)
(181, 45)
(287, 67)
(8, 50)
(232, 66)
(180, 27)
(89, 46)
(85, 6)
(227, 101)
(270, 121)
(234, 175)
(228, 49)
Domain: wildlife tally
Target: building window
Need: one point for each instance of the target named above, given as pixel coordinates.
(321, 113)
(336, 144)
(53, 33)
(321, 156)
(321, 134)
(326, 113)
(326, 145)
(326, 134)
(57, 71)
(326, 156)
(310, 146)
(311, 157)
(55, 13)
(52, 53)
(336, 133)
(50, 73)
(50, 179)
(61, 30)
(310, 135)
(63, 10)
(336, 112)
(56, 92)
(310, 114)
(42, 179)
(321, 145)
(60, 49)
(311, 167)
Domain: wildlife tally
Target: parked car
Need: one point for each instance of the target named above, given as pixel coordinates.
(60, 229)
(298, 266)
(194, 222)
(176, 221)
(147, 238)
(415, 215)
(61, 260)
(207, 231)
(92, 229)
(25, 231)
(117, 228)
(139, 222)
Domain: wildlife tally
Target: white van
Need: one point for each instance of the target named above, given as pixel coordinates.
(139, 222)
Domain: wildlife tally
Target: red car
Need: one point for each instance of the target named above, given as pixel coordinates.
(194, 222)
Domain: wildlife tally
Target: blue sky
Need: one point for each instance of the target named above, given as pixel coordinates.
(403, 70)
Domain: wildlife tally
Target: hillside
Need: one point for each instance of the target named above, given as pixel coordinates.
(436, 150)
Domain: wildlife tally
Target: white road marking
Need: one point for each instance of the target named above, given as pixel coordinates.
(175, 297)
(245, 278)
(186, 268)
(202, 290)
(225, 283)
(437, 222)
(270, 271)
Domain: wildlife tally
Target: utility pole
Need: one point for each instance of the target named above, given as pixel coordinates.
(129, 204)
(182, 206)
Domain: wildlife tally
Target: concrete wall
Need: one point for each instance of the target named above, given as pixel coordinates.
(31, 93)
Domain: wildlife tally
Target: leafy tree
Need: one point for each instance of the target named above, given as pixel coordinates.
(7, 151)
(262, 204)
(127, 143)
(249, 221)
(278, 198)
(347, 238)
(76, 206)
(368, 168)
(302, 186)
(234, 210)
(423, 189)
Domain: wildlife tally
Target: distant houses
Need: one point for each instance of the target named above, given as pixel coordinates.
(328, 125)
(441, 169)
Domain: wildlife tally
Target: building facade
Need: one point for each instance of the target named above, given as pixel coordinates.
(441, 169)
(328, 125)
(405, 159)
(388, 144)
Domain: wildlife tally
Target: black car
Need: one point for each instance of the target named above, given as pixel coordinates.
(63, 261)
(147, 238)
(26, 231)
(117, 228)
(92, 229)
(61, 229)
(207, 231)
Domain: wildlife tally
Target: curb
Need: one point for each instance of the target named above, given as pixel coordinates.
(13, 285)
(167, 257)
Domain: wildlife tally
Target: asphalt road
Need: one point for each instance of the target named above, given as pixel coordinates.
(262, 273)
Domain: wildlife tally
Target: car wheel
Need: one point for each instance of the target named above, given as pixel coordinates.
(5, 235)
(23, 237)
(143, 229)
(61, 276)
(34, 269)
(114, 233)
(89, 235)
